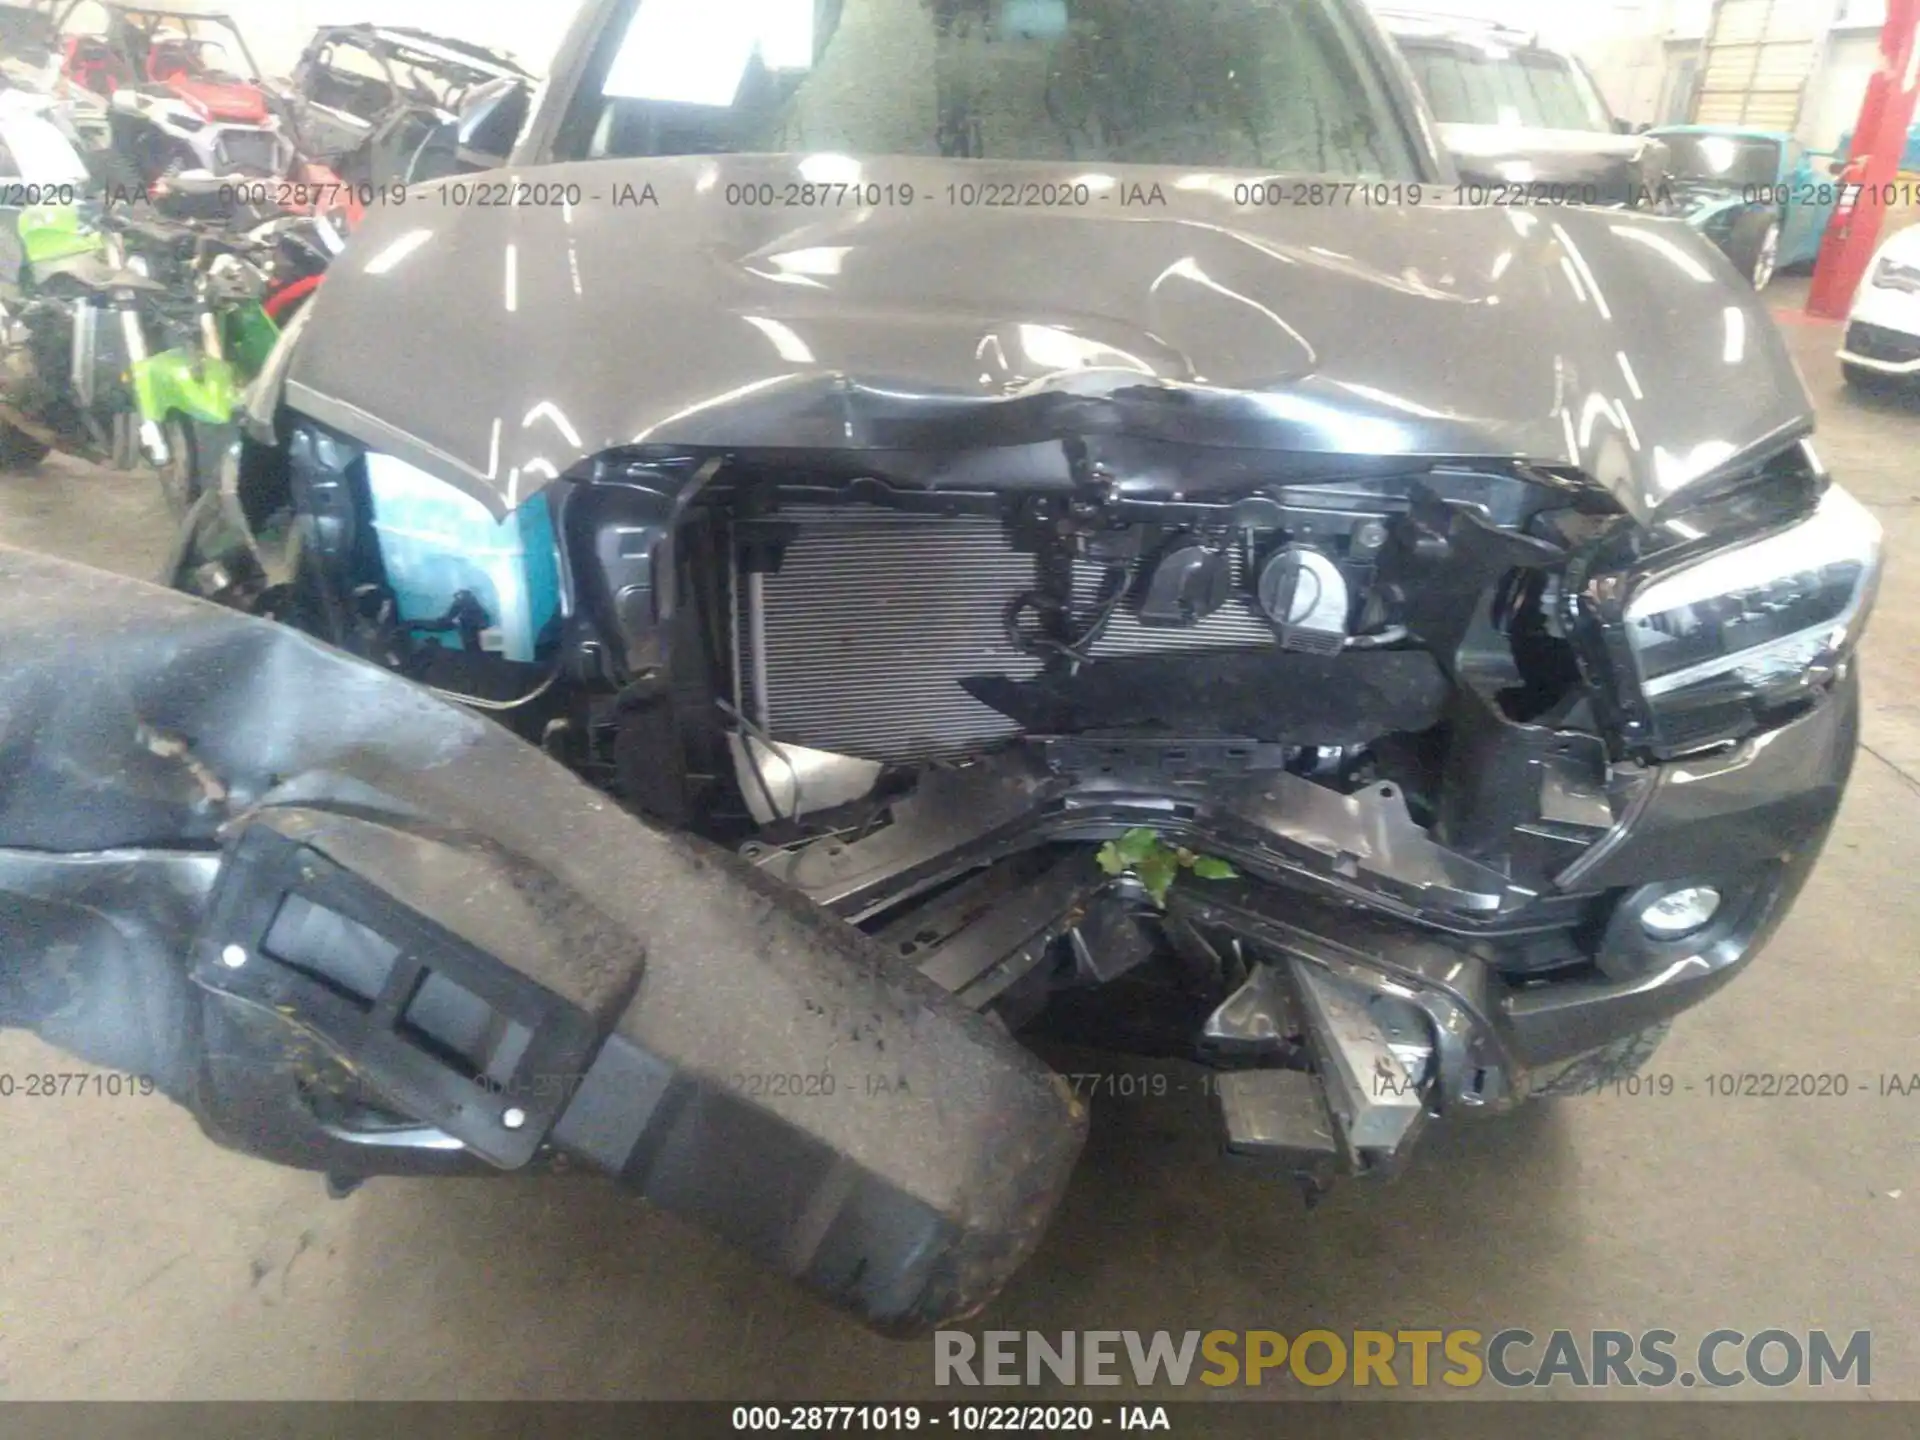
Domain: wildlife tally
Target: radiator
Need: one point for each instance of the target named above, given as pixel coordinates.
(875, 617)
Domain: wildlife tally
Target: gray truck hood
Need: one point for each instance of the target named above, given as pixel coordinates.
(500, 345)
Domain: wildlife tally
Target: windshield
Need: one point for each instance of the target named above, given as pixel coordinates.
(1495, 85)
(1721, 159)
(181, 42)
(347, 76)
(1256, 84)
(433, 81)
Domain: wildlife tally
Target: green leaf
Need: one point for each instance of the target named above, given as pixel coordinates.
(1209, 867)
(1156, 875)
(1138, 845)
(1110, 859)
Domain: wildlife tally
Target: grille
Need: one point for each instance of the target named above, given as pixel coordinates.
(876, 617)
(253, 151)
(1877, 342)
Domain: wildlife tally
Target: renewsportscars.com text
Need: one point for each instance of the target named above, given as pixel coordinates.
(1387, 1359)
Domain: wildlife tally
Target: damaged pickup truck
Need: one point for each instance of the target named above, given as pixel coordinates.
(1022, 518)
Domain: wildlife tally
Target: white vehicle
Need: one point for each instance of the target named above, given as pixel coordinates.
(39, 147)
(30, 60)
(1882, 344)
(39, 165)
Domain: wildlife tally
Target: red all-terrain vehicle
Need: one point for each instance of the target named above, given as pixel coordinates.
(184, 94)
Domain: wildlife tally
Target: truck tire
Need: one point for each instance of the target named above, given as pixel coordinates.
(1601, 1068)
(20, 451)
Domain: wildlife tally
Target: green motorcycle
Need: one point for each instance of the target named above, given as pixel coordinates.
(102, 358)
(215, 333)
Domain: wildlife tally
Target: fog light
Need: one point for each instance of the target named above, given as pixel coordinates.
(1680, 912)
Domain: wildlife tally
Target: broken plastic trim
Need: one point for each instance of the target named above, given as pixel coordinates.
(969, 815)
(908, 1199)
(368, 1027)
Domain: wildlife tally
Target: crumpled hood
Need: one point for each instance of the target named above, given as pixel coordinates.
(499, 346)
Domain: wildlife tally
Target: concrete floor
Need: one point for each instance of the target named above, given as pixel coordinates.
(137, 1260)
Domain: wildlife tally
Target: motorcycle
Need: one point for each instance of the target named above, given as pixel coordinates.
(227, 297)
(127, 337)
(77, 364)
(78, 369)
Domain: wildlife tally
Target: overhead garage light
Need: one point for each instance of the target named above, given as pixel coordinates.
(785, 28)
(684, 52)
(696, 52)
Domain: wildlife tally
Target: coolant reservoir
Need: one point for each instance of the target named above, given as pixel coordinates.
(436, 541)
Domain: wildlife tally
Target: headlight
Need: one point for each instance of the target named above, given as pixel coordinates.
(1762, 624)
(1892, 274)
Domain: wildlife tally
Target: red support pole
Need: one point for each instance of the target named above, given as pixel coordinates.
(1879, 139)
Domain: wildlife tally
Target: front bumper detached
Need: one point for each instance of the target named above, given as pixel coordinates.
(360, 931)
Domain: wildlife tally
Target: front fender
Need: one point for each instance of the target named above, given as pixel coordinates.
(1717, 218)
(201, 387)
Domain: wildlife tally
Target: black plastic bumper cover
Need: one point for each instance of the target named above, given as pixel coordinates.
(1751, 821)
(753, 1062)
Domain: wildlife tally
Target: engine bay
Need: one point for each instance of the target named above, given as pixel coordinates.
(859, 630)
(776, 651)
(1167, 750)
(1404, 662)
